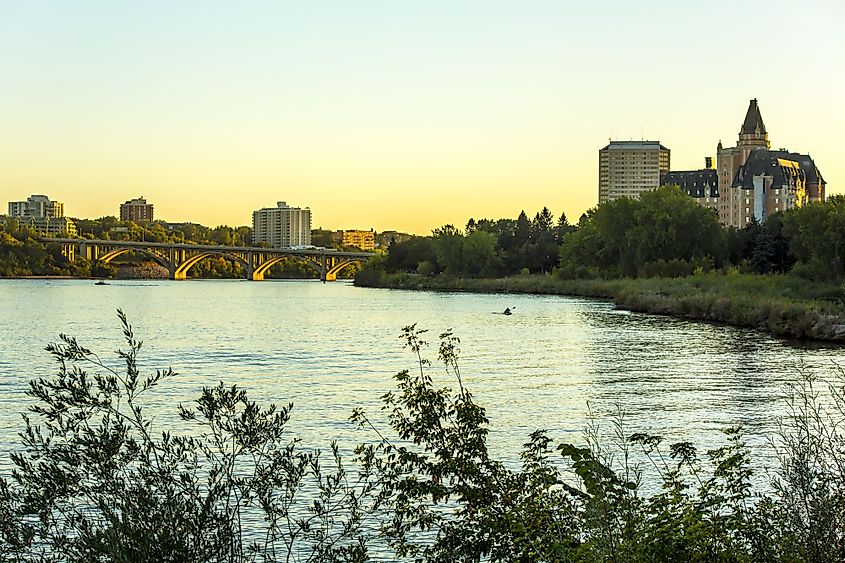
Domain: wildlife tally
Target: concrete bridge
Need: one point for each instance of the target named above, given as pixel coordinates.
(179, 258)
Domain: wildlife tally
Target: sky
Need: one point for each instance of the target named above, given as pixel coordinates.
(395, 114)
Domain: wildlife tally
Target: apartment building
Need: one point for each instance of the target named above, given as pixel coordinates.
(137, 210)
(282, 226)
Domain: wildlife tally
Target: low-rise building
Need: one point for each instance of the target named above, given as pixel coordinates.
(702, 185)
(365, 240)
(50, 226)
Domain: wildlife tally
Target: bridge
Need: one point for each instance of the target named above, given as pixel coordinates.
(179, 258)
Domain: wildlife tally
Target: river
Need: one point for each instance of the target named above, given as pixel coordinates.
(331, 347)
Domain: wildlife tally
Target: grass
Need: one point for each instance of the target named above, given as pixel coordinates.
(783, 305)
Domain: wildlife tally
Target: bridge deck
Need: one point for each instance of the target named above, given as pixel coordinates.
(208, 247)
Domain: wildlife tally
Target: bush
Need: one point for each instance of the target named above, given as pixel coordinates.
(426, 268)
(94, 482)
(667, 269)
(452, 502)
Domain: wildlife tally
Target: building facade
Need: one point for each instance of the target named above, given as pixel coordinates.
(755, 181)
(768, 182)
(282, 226)
(50, 226)
(701, 185)
(628, 168)
(43, 215)
(365, 240)
(137, 210)
(39, 206)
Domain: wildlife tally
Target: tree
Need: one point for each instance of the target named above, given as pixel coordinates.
(562, 229)
(449, 247)
(816, 236)
(619, 237)
(479, 255)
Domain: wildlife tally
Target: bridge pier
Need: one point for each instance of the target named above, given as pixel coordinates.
(250, 268)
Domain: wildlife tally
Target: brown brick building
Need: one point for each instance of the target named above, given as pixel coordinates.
(137, 210)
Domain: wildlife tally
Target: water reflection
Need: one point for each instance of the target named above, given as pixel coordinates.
(329, 348)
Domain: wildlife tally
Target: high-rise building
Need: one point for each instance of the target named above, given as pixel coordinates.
(628, 168)
(365, 240)
(282, 226)
(36, 206)
(755, 182)
(137, 210)
(45, 216)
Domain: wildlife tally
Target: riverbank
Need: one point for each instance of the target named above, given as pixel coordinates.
(782, 305)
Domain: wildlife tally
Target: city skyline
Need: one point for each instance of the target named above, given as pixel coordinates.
(392, 116)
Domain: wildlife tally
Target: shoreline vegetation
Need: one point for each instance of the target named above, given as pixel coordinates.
(662, 253)
(97, 477)
(779, 304)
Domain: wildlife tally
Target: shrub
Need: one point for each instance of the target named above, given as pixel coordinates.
(96, 482)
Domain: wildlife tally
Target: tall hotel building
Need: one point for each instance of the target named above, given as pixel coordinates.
(282, 226)
(628, 168)
(756, 182)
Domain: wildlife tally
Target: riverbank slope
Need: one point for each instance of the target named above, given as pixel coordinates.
(783, 305)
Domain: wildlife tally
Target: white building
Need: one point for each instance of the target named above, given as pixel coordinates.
(282, 226)
(38, 206)
(628, 168)
(44, 216)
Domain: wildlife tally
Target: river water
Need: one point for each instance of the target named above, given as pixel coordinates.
(331, 347)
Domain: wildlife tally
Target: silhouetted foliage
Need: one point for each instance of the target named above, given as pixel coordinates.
(452, 501)
(95, 480)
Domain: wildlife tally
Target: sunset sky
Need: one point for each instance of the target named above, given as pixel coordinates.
(395, 114)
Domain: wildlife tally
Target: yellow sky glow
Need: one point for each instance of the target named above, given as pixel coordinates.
(389, 115)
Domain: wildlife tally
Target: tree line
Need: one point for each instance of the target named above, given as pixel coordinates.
(663, 233)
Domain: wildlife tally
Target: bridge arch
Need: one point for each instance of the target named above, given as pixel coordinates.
(261, 269)
(331, 273)
(181, 270)
(114, 253)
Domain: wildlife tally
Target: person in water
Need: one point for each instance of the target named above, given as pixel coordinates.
(507, 311)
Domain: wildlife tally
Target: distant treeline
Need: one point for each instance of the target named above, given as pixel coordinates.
(664, 233)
